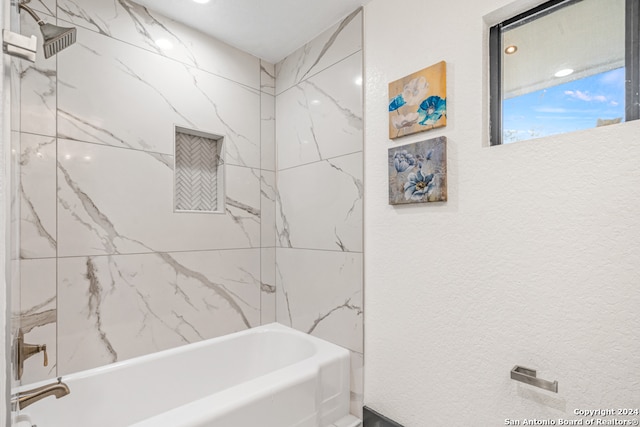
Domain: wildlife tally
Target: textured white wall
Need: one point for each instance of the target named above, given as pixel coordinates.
(533, 260)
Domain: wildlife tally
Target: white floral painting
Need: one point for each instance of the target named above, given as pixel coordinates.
(418, 102)
(418, 172)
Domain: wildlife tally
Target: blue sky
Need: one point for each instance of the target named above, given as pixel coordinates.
(563, 108)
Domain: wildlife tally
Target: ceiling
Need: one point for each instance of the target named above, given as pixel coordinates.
(587, 37)
(268, 29)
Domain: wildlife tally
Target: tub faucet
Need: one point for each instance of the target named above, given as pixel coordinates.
(25, 398)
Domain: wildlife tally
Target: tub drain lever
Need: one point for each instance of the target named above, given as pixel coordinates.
(528, 376)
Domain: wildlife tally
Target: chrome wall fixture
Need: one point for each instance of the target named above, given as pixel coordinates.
(528, 376)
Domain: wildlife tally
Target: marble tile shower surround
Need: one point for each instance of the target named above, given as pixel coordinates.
(124, 275)
(321, 117)
(267, 129)
(127, 21)
(319, 134)
(128, 276)
(138, 304)
(333, 45)
(38, 86)
(122, 213)
(37, 187)
(320, 205)
(320, 292)
(115, 73)
(38, 320)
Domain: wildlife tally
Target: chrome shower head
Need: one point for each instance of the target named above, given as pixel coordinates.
(55, 38)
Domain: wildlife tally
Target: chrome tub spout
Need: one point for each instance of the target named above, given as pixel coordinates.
(25, 398)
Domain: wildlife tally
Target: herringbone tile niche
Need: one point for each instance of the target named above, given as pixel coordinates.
(199, 177)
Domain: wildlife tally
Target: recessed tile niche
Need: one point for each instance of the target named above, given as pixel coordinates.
(199, 171)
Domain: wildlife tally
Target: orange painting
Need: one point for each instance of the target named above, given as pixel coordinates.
(418, 102)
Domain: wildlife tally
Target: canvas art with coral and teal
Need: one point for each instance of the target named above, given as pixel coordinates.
(418, 102)
(418, 172)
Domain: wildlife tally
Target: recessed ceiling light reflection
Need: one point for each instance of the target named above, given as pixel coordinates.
(564, 72)
(315, 102)
(358, 80)
(511, 49)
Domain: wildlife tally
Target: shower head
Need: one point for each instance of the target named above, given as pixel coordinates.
(55, 38)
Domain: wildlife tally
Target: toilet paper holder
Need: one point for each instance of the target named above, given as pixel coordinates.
(528, 376)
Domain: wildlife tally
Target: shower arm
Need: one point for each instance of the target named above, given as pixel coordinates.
(23, 5)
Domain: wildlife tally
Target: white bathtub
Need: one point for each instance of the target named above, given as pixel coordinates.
(269, 376)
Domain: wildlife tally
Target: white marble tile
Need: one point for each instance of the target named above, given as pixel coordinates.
(267, 132)
(320, 292)
(37, 196)
(267, 77)
(38, 316)
(357, 383)
(14, 277)
(268, 209)
(113, 200)
(333, 45)
(13, 184)
(320, 205)
(268, 285)
(113, 308)
(127, 21)
(321, 118)
(15, 86)
(116, 94)
(37, 84)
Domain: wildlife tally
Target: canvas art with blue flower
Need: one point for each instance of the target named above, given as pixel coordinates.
(418, 172)
(418, 102)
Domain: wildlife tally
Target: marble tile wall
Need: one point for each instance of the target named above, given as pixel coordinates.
(268, 192)
(107, 270)
(319, 224)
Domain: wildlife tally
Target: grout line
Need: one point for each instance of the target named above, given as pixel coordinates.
(57, 85)
(319, 71)
(100, 144)
(319, 250)
(260, 189)
(321, 160)
(156, 252)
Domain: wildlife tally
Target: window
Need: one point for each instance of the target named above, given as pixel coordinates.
(565, 65)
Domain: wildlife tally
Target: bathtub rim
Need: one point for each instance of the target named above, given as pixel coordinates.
(318, 344)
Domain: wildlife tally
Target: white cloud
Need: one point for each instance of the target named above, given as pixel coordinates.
(585, 96)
